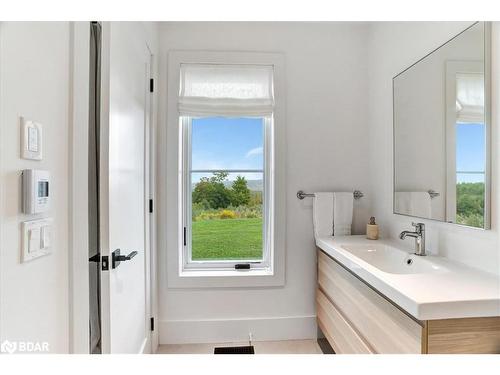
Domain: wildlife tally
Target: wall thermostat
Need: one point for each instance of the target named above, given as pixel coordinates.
(36, 191)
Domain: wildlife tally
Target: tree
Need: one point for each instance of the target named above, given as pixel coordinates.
(212, 191)
(255, 198)
(240, 194)
(470, 203)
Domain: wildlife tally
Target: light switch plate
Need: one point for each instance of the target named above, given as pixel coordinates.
(31, 139)
(36, 233)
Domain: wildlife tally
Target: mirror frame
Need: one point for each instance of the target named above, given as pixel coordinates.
(487, 122)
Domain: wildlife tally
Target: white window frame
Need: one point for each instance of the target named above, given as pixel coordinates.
(267, 209)
(452, 69)
(178, 275)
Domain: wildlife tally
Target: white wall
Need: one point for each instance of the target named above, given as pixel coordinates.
(394, 47)
(327, 149)
(34, 82)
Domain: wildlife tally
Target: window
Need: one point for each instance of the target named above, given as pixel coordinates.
(470, 157)
(467, 145)
(470, 135)
(226, 121)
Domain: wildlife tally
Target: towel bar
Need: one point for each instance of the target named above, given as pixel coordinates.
(301, 195)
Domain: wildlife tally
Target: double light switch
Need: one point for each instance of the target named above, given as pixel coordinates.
(36, 238)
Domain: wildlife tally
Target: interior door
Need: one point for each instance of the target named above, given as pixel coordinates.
(124, 174)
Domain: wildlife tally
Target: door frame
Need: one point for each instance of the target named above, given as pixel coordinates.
(78, 188)
(1, 180)
(151, 194)
(78, 198)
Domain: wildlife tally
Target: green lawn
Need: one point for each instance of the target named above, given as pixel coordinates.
(227, 239)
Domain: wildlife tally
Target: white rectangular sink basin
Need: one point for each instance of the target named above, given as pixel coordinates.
(392, 260)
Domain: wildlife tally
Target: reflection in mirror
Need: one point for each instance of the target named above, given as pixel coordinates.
(441, 134)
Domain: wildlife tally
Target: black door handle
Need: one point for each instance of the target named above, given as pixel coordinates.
(127, 257)
(117, 257)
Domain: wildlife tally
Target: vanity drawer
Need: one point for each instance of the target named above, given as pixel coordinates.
(337, 330)
(384, 327)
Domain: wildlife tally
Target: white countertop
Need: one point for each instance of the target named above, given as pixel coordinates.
(457, 292)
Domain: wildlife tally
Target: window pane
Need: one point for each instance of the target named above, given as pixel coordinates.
(226, 216)
(470, 158)
(470, 200)
(227, 143)
(470, 147)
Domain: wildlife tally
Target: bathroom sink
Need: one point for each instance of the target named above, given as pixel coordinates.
(392, 260)
(427, 287)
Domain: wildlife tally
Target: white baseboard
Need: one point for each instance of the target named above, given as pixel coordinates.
(236, 330)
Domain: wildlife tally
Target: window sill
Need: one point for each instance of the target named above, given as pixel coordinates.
(225, 273)
(226, 279)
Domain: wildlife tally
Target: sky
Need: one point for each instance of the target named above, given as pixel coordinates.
(237, 143)
(227, 143)
(470, 151)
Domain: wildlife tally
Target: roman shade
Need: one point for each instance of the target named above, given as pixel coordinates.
(226, 90)
(470, 97)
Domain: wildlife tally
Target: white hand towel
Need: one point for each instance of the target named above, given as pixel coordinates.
(421, 204)
(342, 213)
(323, 214)
(415, 203)
(403, 202)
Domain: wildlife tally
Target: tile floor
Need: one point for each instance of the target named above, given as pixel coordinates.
(262, 347)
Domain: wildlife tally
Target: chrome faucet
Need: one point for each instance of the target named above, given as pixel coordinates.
(419, 236)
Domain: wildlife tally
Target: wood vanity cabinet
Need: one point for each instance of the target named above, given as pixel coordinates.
(355, 318)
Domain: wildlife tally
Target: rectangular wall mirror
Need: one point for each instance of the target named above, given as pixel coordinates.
(442, 133)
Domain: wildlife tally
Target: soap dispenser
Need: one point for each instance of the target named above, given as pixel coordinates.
(372, 229)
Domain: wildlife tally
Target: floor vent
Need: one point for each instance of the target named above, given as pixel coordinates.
(235, 350)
